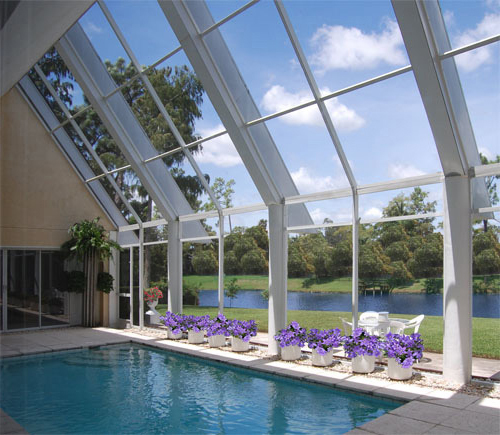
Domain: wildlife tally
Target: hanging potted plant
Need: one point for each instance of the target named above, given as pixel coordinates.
(151, 296)
(217, 331)
(241, 331)
(195, 327)
(89, 243)
(363, 348)
(174, 323)
(402, 352)
(290, 340)
(322, 344)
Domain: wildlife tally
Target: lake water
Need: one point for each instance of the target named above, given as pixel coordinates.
(414, 303)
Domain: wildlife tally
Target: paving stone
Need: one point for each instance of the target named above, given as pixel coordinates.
(390, 424)
(449, 398)
(361, 384)
(486, 405)
(425, 412)
(438, 429)
(476, 422)
(358, 431)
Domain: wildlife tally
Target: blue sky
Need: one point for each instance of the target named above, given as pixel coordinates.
(383, 128)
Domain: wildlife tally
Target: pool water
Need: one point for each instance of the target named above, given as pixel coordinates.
(138, 389)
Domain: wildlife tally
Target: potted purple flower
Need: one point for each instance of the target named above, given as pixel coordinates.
(363, 348)
(322, 344)
(290, 340)
(195, 327)
(241, 331)
(402, 352)
(217, 331)
(174, 322)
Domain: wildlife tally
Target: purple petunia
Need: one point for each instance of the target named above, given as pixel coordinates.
(405, 349)
(218, 326)
(173, 321)
(361, 343)
(243, 329)
(324, 341)
(293, 335)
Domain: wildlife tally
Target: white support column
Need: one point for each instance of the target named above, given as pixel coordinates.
(221, 262)
(174, 267)
(141, 277)
(457, 291)
(278, 273)
(114, 271)
(355, 257)
(131, 284)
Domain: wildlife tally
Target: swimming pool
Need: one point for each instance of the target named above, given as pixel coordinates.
(138, 389)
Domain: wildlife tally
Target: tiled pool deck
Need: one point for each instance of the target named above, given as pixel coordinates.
(427, 410)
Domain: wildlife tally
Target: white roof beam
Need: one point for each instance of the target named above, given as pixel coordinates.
(91, 74)
(223, 83)
(425, 38)
(159, 105)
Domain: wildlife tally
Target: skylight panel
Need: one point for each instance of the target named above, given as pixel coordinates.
(308, 151)
(265, 57)
(107, 45)
(220, 9)
(145, 28)
(347, 42)
(395, 140)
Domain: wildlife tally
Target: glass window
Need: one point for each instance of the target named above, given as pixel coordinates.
(23, 292)
(55, 300)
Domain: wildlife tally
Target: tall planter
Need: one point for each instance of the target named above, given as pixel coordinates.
(91, 265)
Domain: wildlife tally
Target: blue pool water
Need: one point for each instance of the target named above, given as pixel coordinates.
(136, 389)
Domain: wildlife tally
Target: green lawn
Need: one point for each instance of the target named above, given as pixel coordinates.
(337, 285)
(485, 332)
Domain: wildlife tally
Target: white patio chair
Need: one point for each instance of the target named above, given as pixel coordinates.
(415, 323)
(397, 327)
(369, 315)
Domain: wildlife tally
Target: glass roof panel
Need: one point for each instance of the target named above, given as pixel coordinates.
(145, 28)
(56, 110)
(345, 46)
(471, 21)
(481, 86)
(220, 9)
(308, 151)
(116, 199)
(395, 139)
(71, 132)
(267, 64)
(106, 44)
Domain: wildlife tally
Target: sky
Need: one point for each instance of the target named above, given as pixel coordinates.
(382, 128)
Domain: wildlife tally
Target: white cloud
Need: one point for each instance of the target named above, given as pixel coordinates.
(91, 28)
(318, 215)
(400, 170)
(372, 213)
(219, 151)
(471, 60)
(339, 47)
(277, 98)
(307, 182)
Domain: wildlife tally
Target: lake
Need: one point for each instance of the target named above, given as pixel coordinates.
(484, 305)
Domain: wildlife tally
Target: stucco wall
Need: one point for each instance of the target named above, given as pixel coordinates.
(41, 195)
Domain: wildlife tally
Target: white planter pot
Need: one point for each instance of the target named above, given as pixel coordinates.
(290, 353)
(154, 316)
(173, 336)
(397, 372)
(217, 340)
(238, 345)
(363, 364)
(322, 360)
(196, 337)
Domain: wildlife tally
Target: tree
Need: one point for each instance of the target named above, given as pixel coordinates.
(205, 262)
(223, 191)
(232, 290)
(254, 262)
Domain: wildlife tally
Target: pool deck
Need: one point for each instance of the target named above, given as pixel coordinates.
(427, 410)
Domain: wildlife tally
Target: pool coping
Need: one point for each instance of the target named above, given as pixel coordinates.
(426, 410)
